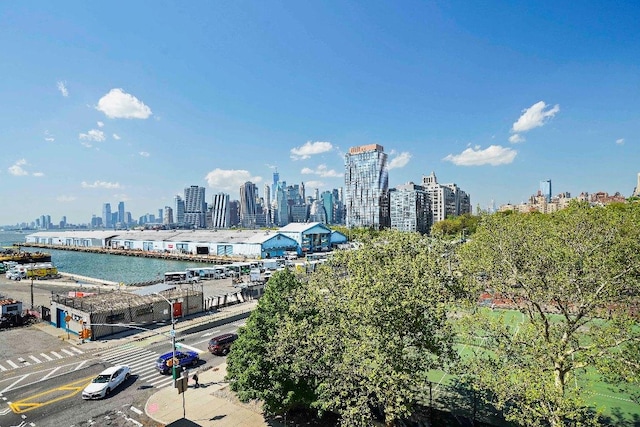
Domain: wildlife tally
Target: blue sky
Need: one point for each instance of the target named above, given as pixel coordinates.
(134, 101)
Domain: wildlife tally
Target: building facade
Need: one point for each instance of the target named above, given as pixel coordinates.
(220, 211)
(195, 206)
(367, 187)
(410, 208)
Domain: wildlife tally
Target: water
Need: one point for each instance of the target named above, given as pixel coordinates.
(113, 268)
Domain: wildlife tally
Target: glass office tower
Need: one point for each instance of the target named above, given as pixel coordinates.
(367, 187)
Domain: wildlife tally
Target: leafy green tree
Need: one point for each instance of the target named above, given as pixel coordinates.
(574, 277)
(251, 369)
(458, 227)
(371, 323)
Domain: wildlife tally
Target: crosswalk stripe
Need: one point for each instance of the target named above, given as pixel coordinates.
(13, 365)
(46, 357)
(118, 350)
(77, 350)
(56, 355)
(140, 363)
(70, 353)
(3, 368)
(134, 358)
(142, 371)
(35, 359)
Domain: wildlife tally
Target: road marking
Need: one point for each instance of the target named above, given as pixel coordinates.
(208, 334)
(56, 355)
(70, 353)
(13, 365)
(5, 411)
(136, 410)
(188, 347)
(77, 350)
(40, 399)
(46, 356)
(14, 383)
(80, 365)
(2, 368)
(50, 373)
(35, 359)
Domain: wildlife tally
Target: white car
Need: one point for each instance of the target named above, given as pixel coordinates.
(106, 382)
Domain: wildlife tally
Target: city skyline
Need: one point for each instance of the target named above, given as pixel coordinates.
(105, 106)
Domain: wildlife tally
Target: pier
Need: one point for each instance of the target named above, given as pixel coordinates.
(173, 256)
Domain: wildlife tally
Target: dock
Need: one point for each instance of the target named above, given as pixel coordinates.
(172, 256)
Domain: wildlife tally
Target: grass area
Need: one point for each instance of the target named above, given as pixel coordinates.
(616, 405)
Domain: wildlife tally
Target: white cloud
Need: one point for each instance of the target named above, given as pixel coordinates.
(493, 155)
(229, 179)
(144, 154)
(400, 160)
(17, 170)
(100, 124)
(516, 138)
(100, 184)
(48, 137)
(116, 136)
(313, 185)
(534, 116)
(62, 87)
(322, 171)
(38, 174)
(309, 149)
(118, 104)
(86, 144)
(620, 141)
(93, 135)
(65, 198)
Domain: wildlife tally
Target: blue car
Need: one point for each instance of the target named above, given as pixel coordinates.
(183, 359)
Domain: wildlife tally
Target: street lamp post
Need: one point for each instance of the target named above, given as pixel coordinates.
(173, 336)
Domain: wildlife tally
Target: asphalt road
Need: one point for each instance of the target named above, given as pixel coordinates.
(49, 393)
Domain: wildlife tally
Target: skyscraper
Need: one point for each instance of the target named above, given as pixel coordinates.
(121, 220)
(195, 206)
(367, 187)
(179, 210)
(636, 191)
(248, 208)
(545, 189)
(106, 215)
(220, 211)
(276, 181)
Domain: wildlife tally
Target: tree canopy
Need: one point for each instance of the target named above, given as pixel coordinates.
(574, 276)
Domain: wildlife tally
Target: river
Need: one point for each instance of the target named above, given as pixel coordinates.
(114, 268)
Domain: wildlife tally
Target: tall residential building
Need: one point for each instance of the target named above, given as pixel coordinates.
(195, 206)
(121, 220)
(248, 207)
(266, 206)
(106, 215)
(367, 187)
(545, 189)
(179, 210)
(410, 208)
(234, 213)
(220, 211)
(446, 199)
(167, 218)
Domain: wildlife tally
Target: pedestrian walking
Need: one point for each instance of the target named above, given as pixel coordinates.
(195, 379)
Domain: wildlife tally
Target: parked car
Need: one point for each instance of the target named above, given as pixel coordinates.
(221, 344)
(183, 359)
(102, 385)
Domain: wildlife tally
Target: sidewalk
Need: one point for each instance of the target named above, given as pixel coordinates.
(211, 404)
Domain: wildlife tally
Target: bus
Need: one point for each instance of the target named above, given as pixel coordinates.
(180, 277)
